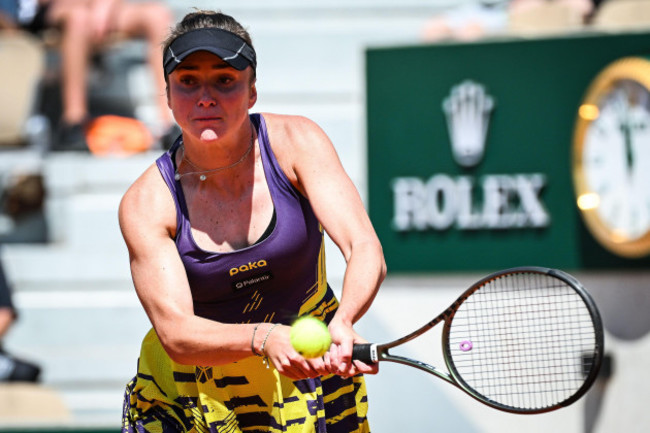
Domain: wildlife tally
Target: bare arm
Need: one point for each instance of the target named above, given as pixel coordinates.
(316, 170)
(147, 220)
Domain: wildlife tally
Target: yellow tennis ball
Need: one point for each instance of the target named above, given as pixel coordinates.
(310, 337)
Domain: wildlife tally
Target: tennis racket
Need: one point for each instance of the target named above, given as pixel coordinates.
(523, 340)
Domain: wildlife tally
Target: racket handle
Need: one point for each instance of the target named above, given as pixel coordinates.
(365, 353)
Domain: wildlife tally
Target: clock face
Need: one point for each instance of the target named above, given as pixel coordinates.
(612, 158)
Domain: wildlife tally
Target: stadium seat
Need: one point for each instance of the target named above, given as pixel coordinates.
(18, 84)
(25, 404)
(616, 15)
(546, 18)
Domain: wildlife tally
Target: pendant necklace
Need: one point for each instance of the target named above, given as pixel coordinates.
(203, 174)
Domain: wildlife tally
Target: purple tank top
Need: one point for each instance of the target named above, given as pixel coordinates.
(274, 280)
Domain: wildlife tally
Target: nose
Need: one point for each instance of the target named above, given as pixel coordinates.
(207, 97)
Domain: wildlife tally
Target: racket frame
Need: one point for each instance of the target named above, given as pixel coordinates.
(381, 352)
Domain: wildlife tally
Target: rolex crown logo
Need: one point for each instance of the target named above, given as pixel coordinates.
(467, 109)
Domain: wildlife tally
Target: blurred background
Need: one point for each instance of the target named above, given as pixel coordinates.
(465, 125)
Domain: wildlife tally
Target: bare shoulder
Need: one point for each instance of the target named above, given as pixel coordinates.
(295, 139)
(148, 204)
(289, 123)
(293, 131)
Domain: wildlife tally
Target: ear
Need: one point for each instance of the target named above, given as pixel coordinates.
(252, 99)
(169, 104)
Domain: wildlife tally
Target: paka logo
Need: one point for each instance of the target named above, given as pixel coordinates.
(248, 267)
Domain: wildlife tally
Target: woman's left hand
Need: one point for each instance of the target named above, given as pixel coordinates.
(338, 359)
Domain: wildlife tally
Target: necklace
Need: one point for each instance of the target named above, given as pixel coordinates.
(203, 174)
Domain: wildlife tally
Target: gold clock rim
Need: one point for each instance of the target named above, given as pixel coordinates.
(628, 68)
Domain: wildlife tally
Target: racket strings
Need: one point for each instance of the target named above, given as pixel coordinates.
(523, 340)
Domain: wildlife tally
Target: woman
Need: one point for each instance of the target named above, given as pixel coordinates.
(225, 235)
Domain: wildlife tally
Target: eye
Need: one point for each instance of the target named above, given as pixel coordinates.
(187, 80)
(225, 79)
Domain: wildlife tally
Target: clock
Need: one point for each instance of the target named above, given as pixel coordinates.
(611, 157)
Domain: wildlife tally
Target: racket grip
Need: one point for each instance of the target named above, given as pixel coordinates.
(365, 353)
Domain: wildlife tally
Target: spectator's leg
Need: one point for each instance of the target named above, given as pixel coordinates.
(73, 19)
(7, 310)
(151, 20)
(7, 317)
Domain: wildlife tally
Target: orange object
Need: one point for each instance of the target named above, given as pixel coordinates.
(112, 135)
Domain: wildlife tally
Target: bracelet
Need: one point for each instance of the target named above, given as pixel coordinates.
(253, 341)
(266, 358)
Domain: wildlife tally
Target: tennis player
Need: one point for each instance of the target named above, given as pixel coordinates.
(225, 235)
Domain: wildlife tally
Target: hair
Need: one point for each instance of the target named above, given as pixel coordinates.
(206, 19)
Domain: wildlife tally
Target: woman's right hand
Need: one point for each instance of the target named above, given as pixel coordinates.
(285, 359)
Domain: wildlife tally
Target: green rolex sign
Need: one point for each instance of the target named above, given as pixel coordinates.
(470, 152)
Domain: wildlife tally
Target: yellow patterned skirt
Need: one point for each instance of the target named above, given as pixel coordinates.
(243, 396)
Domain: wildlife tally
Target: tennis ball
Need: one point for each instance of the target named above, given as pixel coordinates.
(310, 337)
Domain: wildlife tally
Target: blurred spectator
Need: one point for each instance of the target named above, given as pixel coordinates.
(482, 18)
(21, 220)
(84, 26)
(468, 22)
(583, 8)
(12, 369)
